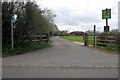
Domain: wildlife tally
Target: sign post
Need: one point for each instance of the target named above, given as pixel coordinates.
(106, 14)
(13, 20)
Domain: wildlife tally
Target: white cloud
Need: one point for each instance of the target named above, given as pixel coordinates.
(82, 14)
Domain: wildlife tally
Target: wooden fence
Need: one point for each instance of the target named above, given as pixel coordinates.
(100, 41)
(108, 40)
(39, 38)
(88, 40)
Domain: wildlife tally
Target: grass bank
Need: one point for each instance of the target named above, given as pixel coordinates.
(20, 50)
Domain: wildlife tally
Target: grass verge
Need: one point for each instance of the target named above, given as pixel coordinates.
(110, 48)
(20, 50)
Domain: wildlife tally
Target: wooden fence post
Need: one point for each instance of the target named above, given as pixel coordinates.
(47, 37)
(85, 39)
(94, 35)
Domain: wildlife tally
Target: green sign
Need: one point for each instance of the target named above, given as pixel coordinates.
(106, 14)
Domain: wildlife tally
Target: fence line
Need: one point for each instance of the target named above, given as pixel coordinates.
(108, 40)
(101, 41)
(39, 38)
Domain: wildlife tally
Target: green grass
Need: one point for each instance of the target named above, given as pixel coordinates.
(73, 38)
(77, 38)
(110, 48)
(20, 50)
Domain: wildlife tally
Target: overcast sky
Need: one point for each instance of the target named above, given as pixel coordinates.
(81, 15)
(119, 16)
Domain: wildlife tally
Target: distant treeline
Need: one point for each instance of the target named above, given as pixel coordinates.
(31, 20)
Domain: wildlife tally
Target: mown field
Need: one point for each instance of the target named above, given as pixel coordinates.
(76, 38)
(73, 38)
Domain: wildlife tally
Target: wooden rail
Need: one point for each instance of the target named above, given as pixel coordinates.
(39, 38)
(108, 40)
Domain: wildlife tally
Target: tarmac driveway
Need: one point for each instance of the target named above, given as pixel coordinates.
(63, 59)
